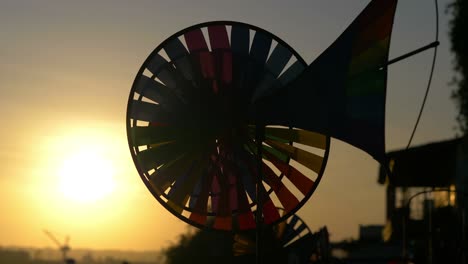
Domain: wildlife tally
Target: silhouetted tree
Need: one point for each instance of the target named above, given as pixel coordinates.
(458, 38)
(208, 246)
(201, 246)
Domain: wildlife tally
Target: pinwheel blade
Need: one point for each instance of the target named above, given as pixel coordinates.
(289, 241)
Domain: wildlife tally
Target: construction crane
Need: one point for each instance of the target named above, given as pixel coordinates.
(64, 248)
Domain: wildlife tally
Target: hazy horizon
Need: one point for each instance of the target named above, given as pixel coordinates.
(53, 254)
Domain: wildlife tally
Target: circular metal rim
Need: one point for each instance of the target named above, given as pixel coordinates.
(128, 123)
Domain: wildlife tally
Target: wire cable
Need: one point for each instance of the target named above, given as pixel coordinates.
(430, 76)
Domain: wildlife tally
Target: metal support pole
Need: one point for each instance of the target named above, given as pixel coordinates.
(259, 137)
(464, 234)
(430, 255)
(403, 229)
(414, 52)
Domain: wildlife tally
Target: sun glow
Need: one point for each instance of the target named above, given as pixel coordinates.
(86, 165)
(84, 182)
(86, 176)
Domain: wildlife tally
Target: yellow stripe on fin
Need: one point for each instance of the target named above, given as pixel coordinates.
(305, 137)
(305, 158)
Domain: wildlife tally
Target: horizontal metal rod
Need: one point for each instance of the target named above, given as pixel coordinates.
(414, 52)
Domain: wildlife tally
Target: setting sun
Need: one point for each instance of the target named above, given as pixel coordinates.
(85, 180)
(86, 176)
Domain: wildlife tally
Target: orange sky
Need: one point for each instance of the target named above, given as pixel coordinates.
(66, 69)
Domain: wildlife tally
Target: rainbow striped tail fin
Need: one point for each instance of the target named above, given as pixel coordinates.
(342, 93)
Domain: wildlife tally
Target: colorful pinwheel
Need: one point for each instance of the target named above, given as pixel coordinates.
(192, 134)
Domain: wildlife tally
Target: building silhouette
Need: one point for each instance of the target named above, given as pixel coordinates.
(426, 203)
